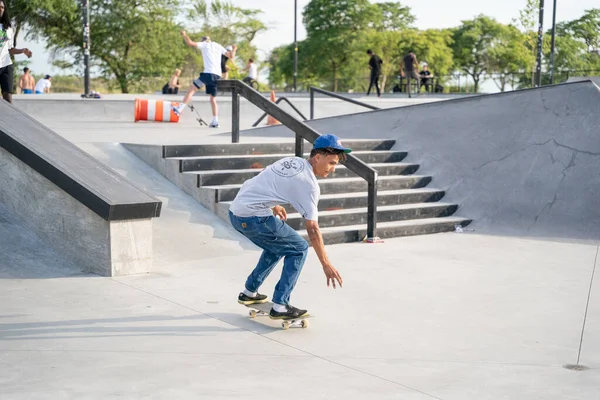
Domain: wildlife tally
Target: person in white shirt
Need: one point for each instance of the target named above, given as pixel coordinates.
(211, 54)
(6, 50)
(256, 212)
(43, 85)
(252, 72)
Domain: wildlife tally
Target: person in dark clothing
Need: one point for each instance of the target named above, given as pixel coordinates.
(230, 55)
(408, 69)
(426, 76)
(375, 66)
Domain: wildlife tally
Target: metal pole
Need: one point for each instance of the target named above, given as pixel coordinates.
(235, 116)
(295, 43)
(312, 103)
(552, 45)
(372, 209)
(299, 146)
(86, 46)
(538, 68)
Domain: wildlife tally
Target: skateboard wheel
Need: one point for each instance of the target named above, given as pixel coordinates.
(285, 325)
(304, 324)
(252, 314)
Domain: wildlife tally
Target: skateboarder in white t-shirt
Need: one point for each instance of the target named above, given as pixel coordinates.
(291, 180)
(211, 54)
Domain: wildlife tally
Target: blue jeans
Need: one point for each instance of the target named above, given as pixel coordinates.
(277, 240)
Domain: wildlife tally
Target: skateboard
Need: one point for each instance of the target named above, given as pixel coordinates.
(261, 310)
(198, 117)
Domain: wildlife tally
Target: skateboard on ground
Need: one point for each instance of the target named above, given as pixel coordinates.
(198, 117)
(262, 310)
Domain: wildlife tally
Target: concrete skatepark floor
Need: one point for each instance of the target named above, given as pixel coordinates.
(447, 316)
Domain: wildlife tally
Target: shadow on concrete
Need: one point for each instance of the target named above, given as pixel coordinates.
(95, 328)
(262, 325)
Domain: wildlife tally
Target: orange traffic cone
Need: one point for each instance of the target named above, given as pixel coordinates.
(155, 110)
(271, 120)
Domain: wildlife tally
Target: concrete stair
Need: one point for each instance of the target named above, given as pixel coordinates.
(213, 175)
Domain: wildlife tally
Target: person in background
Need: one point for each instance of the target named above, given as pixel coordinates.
(252, 72)
(6, 50)
(375, 66)
(43, 85)
(26, 82)
(426, 76)
(174, 83)
(230, 55)
(408, 69)
(211, 55)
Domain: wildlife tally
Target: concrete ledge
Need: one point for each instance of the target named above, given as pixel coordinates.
(107, 248)
(102, 190)
(88, 213)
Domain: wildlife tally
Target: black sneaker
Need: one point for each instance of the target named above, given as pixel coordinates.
(291, 313)
(246, 300)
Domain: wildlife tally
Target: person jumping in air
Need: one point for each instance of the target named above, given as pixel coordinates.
(291, 180)
(211, 54)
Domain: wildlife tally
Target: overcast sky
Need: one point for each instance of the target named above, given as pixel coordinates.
(279, 17)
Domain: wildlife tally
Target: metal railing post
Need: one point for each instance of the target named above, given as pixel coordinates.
(312, 103)
(235, 116)
(299, 146)
(372, 209)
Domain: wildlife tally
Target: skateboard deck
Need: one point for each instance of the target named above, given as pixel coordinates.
(262, 310)
(198, 117)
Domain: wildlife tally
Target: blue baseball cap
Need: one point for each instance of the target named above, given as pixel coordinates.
(330, 141)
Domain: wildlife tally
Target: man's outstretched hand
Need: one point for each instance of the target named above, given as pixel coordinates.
(332, 276)
(280, 212)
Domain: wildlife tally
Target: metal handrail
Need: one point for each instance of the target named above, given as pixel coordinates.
(277, 102)
(313, 89)
(302, 131)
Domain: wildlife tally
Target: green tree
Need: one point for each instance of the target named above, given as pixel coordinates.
(130, 40)
(527, 24)
(433, 46)
(281, 67)
(280, 63)
(586, 29)
(509, 54)
(392, 16)
(583, 38)
(332, 28)
(473, 42)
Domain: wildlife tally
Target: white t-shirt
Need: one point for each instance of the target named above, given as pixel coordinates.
(253, 71)
(6, 43)
(289, 180)
(211, 53)
(42, 84)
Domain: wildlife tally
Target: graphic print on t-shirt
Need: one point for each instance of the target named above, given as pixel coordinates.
(288, 167)
(3, 36)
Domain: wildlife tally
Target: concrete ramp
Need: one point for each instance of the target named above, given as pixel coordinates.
(595, 79)
(524, 163)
